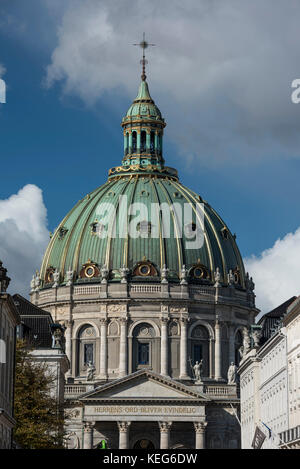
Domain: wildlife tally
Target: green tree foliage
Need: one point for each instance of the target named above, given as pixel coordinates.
(39, 419)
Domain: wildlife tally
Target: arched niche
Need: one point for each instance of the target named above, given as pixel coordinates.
(86, 348)
(143, 346)
(200, 348)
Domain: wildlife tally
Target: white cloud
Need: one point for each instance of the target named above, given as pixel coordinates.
(2, 70)
(23, 236)
(276, 272)
(221, 71)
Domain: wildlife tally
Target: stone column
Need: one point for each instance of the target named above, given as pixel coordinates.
(88, 429)
(218, 352)
(130, 142)
(164, 434)
(124, 434)
(164, 347)
(148, 141)
(138, 141)
(123, 348)
(183, 349)
(200, 434)
(68, 344)
(103, 349)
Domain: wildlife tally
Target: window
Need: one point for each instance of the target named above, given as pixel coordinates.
(197, 352)
(143, 353)
(143, 141)
(134, 142)
(88, 353)
(152, 142)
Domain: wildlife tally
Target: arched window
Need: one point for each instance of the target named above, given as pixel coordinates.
(134, 142)
(152, 142)
(143, 346)
(200, 348)
(127, 143)
(86, 349)
(143, 141)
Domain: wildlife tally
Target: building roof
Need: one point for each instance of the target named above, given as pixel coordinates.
(36, 323)
(272, 320)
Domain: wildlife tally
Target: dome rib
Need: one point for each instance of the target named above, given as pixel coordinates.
(76, 266)
(210, 251)
(180, 249)
(161, 239)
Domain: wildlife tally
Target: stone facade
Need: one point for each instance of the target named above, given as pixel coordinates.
(269, 381)
(264, 394)
(170, 325)
(9, 319)
(291, 321)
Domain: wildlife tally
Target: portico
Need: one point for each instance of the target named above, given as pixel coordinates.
(167, 411)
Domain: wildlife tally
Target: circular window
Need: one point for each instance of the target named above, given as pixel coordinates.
(144, 269)
(89, 271)
(198, 272)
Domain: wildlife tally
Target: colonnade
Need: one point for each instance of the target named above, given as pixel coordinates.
(124, 432)
(164, 358)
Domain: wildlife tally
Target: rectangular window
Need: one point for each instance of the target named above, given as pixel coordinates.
(143, 354)
(88, 353)
(197, 352)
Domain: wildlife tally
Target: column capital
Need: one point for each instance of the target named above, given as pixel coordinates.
(88, 426)
(164, 320)
(184, 320)
(200, 427)
(165, 426)
(123, 426)
(103, 321)
(123, 320)
(69, 323)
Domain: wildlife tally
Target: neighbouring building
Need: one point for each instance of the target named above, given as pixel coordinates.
(9, 319)
(46, 341)
(264, 380)
(153, 322)
(291, 322)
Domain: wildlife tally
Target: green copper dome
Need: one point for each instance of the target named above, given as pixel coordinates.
(79, 244)
(143, 105)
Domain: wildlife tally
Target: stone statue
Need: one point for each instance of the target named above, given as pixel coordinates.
(57, 338)
(104, 274)
(217, 278)
(198, 370)
(124, 273)
(90, 371)
(69, 278)
(231, 374)
(246, 341)
(250, 285)
(56, 276)
(183, 276)
(32, 284)
(164, 274)
(256, 335)
(37, 281)
(230, 278)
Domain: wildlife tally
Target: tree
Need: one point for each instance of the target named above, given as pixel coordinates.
(39, 419)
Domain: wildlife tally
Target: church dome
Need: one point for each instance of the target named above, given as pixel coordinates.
(93, 236)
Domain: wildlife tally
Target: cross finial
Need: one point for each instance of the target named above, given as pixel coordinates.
(144, 44)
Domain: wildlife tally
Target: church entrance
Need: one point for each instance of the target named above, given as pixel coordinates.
(144, 444)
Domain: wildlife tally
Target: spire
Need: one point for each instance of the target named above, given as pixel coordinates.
(144, 44)
(143, 128)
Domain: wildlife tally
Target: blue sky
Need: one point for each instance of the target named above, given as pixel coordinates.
(60, 128)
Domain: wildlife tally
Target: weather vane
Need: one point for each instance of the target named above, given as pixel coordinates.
(144, 44)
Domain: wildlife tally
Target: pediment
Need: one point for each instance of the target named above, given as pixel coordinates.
(144, 385)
